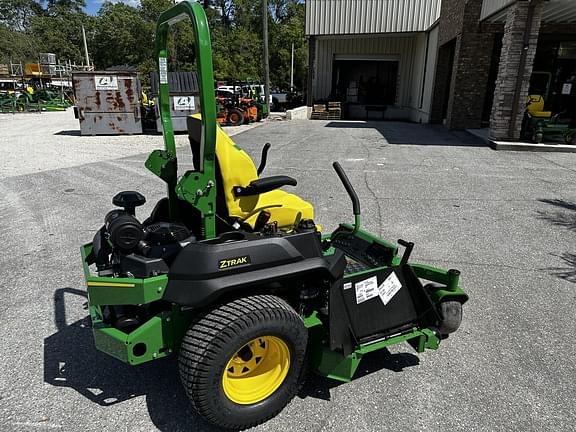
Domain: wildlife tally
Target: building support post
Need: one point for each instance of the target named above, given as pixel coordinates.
(311, 69)
(266, 57)
(516, 60)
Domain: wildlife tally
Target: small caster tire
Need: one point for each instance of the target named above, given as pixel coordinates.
(451, 312)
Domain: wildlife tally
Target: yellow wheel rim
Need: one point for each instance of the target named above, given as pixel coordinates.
(256, 370)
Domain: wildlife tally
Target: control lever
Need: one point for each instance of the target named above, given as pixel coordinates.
(261, 220)
(351, 193)
(407, 251)
(264, 158)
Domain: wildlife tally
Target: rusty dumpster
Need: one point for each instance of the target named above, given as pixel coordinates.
(107, 102)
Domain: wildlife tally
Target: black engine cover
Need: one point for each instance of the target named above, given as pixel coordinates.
(205, 270)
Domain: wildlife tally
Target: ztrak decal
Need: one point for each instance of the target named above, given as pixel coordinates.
(233, 262)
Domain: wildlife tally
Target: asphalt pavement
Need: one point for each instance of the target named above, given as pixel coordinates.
(507, 220)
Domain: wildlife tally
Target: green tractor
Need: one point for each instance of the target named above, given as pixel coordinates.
(12, 103)
(231, 274)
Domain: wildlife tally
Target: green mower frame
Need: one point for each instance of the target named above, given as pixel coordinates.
(335, 345)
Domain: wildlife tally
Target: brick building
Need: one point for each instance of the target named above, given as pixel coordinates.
(464, 63)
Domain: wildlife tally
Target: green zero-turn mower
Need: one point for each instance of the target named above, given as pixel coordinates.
(232, 275)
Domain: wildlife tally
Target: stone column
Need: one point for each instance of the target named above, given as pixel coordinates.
(311, 71)
(441, 81)
(467, 75)
(470, 79)
(516, 61)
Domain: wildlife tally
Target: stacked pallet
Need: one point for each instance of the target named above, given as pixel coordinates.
(334, 110)
(331, 112)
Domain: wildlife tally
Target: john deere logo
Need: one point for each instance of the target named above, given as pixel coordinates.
(233, 262)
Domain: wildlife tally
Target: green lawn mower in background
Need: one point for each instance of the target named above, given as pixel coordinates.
(232, 275)
(541, 126)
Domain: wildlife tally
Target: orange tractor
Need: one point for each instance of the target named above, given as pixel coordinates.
(234, 109)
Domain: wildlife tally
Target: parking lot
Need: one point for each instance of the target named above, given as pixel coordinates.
(507, 220)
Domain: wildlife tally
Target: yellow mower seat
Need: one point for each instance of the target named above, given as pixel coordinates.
(237, 169)
(535, 107)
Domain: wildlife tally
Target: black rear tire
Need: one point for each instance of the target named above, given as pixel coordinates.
(235, 117)
(217, 336)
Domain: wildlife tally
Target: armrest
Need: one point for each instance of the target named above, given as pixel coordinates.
(263, 185)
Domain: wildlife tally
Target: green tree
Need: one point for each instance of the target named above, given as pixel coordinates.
(286, 27)
(16, 43)
(121, 36)
(150, 10)
(181, 42)
(16, 46)
(16, 14)
(73, 5)
(59, 30)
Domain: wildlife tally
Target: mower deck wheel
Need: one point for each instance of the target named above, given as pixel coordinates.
(538, 137)
(451, 312)
(243, 361)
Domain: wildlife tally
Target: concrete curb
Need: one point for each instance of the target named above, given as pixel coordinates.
(533, 147)
(521, 146)
(300, 113)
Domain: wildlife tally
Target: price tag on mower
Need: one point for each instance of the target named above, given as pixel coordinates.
(389, 288)
(366, 289)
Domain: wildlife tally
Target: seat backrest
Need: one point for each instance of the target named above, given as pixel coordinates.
(234, 168)
(535, 104)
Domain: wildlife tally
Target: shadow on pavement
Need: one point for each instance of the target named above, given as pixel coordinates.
(568, 270)
(564, 216)
(72, 361)
(319, 387)
(395, 132)
(146, 131)
(74, 132)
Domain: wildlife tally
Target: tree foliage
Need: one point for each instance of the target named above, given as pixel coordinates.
(121, 34)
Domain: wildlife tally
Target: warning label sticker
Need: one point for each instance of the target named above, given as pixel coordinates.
(366, 289)
(163, 66)
(389, 288)
(347, 285)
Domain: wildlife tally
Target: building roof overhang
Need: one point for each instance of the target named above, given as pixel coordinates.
(555, 11)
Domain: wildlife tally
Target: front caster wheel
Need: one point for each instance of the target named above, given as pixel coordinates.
(242, 362)
(538, 137)
(451, 312)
